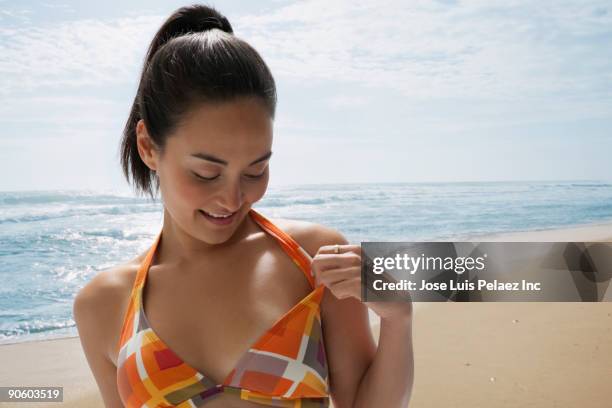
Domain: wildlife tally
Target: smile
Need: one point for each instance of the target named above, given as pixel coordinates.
(219, 219)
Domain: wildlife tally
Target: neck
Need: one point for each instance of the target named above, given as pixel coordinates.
(178, 246)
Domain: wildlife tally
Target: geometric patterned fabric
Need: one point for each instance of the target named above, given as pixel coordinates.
(285, 367)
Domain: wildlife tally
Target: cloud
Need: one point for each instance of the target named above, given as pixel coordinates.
(73, 53)
(346, 102)
(424, 49)
(430, 50)
(546, 53)
(19, 15)
(33, 118)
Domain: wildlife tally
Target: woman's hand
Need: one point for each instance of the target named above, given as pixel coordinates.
(338, 267)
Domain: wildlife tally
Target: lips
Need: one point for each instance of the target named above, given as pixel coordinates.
(217, 220)
(217, 215)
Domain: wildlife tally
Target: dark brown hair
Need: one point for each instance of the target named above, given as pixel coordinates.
(194, 57)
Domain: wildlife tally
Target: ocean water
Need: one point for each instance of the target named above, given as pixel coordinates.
(53, 242)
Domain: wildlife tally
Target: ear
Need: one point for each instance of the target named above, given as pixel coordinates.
(147, 149)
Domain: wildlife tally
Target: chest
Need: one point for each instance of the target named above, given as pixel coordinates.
(209, 314)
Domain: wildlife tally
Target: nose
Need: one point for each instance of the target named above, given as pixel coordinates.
(232, 197)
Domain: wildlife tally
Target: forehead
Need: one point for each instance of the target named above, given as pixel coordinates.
(228, 128)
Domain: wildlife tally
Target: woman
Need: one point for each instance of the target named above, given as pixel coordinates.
(228, 308)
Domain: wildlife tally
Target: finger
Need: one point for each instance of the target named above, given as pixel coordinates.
(324, 262)
(342, 248)
(332, 276)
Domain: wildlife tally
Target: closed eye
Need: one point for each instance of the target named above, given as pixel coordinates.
(251, 176)
(255, 176)
(205, 178)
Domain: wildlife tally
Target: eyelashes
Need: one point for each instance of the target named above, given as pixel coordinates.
(256, 176)
(249, 176)
(204, 178)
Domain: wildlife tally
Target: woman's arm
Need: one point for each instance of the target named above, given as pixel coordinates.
(349, 346)
(362, 375)
(95, 309)
(389, 379)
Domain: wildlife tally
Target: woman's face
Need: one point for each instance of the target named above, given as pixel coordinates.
(216, 161)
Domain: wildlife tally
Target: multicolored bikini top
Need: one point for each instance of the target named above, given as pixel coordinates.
(285, 367)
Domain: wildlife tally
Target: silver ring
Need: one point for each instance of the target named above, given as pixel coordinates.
(336, 249)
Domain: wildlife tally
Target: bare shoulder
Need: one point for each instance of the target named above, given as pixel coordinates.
(311, 236)
(99, 306)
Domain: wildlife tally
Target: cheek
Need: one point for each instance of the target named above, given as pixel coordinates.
(186, 190)
(192, 193)
(254, 191)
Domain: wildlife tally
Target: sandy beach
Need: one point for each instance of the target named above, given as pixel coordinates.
(466, 354)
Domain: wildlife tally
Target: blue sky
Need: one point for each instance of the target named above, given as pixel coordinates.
(369, 91)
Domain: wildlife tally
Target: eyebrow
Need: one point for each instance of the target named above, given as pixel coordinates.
(210, 157)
